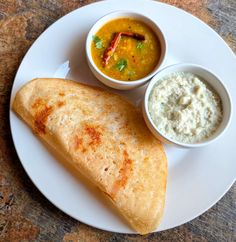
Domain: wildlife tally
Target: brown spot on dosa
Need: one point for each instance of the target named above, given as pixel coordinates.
(60, 104)
(94, 135)
(62, 94)
(39, 102)
(124, 171)
(41, 115)
(89, 137)
(79, 144)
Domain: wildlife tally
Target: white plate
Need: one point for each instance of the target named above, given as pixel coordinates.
(197, 178)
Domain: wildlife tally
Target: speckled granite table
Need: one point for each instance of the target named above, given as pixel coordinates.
(25, 215)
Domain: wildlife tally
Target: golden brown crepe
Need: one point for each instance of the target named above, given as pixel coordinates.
(105, 138)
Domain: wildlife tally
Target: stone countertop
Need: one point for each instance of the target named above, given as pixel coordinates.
(25, 214)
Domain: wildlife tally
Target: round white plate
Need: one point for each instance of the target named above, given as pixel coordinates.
(197, 178)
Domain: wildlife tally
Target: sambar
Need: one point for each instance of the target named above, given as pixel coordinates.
(133, 58)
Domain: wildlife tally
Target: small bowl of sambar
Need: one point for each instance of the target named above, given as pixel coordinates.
(125, 49)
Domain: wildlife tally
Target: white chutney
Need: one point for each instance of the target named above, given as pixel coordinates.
(184, 108)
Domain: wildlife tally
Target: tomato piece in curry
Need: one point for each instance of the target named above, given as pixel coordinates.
(132, 58)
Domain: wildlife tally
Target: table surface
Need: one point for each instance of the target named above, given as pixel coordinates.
(25, 214)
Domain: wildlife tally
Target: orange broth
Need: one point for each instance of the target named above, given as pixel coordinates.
(133, 59)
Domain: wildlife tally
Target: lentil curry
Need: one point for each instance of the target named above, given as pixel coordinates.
(126, 49)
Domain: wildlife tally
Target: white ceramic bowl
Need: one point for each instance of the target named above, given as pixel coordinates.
(118, 84)
(209, 78)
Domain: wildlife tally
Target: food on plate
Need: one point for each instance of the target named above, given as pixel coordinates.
(184, 108)
(126, 49)
(103, 137)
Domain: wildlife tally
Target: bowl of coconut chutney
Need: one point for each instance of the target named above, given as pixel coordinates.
(187, 105)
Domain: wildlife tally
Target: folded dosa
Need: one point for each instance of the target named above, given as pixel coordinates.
(105, 138)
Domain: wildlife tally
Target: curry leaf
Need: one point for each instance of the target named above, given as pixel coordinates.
(98, 42)
(139, 45)
(121, 64)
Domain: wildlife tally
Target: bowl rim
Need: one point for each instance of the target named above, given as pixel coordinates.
(116, 15)
(155, 79)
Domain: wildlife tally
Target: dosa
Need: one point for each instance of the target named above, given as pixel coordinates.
(105, 138)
